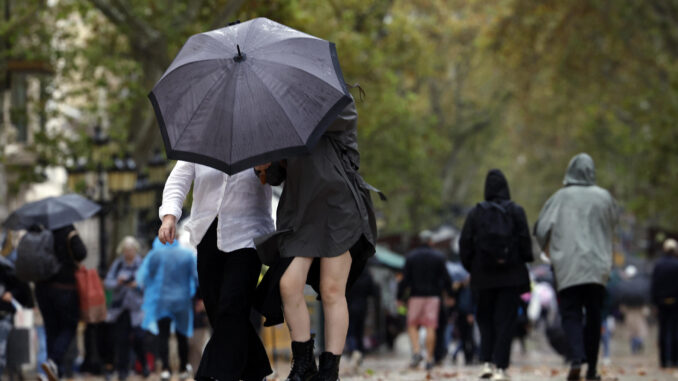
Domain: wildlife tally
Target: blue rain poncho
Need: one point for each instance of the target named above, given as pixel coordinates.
(168, 276)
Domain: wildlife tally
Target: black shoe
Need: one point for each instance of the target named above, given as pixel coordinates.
(328, 367)
(593, 377)
(575, 373)
(303, 361)
(416, 359)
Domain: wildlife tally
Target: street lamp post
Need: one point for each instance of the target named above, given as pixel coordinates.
(99, 141)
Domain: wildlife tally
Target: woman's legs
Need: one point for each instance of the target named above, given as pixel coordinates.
(294, 305)
(333, 277)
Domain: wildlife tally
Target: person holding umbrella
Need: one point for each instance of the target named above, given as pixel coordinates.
(260, 92)
(326, 231)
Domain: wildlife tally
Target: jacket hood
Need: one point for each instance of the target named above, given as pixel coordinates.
(496, 186)
(580, 171)
(157, 244)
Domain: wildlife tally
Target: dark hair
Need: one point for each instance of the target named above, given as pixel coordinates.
(361, 92)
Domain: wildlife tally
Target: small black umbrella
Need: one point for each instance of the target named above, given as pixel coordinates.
(247, 94)
(52, 212)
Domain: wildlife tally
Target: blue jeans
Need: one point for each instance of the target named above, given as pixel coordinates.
(60, 309)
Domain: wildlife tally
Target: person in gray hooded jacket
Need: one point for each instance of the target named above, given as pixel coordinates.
(575, 229)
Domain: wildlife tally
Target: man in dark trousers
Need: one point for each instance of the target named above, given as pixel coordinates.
(665, 297)
(576, 229)
(494, 245)
(425, 279)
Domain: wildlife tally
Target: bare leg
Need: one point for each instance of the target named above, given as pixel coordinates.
(294, 305)
(430, 343)
(413, 331)
(333, 277)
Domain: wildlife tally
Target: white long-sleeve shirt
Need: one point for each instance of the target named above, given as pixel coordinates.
(241, 203)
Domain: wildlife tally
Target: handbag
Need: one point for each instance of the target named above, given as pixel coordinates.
(90, 290)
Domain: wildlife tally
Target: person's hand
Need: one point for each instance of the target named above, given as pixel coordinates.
(450, 302)
(261, 171)
(132, 284)
(7, 297)
(199, 306)
(168, 229)
(121, 280)
(469, 319)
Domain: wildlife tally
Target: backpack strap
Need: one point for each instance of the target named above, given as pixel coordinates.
(70, 236)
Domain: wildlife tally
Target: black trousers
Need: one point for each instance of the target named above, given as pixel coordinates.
(580, 309)
(227, 285)
(668, 335)
(128, 337)
(356, 328)
(164, 333)
(60, 309)
(465, 329)
(496, 315)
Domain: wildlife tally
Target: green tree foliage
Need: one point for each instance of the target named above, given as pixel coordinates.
(453, 88)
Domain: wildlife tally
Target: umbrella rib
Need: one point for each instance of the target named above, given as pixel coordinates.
(209, 92)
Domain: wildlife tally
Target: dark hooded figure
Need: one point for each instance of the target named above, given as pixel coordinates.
(495, 244)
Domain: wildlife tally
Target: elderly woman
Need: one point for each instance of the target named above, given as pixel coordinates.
(125, 312)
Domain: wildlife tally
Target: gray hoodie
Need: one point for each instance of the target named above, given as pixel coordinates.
(577, 223)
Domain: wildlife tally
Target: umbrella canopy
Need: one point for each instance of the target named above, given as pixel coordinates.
(248, 94)
(52, 212)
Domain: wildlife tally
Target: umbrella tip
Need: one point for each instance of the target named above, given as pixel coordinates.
(240, 57)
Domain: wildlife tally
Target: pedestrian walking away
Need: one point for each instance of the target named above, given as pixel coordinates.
(125, 313)
(58, 299)
(169, 280)
(665, 298)
(494, 246)
(575, 229)
(425, 281)
(227, 213)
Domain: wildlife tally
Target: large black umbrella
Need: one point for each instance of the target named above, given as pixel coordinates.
(247, 94)
(52, 212)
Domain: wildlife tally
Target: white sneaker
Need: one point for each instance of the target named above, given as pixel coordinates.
(500, 375)
(51, 370)
(165, 375)
(488, 371)
(186, 374)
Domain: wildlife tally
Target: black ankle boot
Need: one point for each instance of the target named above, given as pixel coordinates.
(328, 370)
(303, 361)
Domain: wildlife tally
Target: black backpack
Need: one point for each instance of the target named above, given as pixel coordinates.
(494, 242)
(36, 260)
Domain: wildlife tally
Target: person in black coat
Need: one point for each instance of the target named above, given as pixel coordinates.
(497, 283)
(665, 297)
(11, 289)
(58, 299)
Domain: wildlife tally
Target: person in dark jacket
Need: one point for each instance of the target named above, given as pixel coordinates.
(11, 289)
(665, 297)
(425, 279)
(58, 299)
(497, 285)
